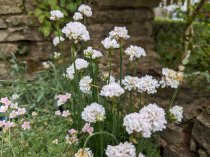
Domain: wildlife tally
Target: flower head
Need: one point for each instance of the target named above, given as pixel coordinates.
(12, 114)
(56, 55)
(171, 78)
(57, 40)
(5, 101)
(112, 90)
(85, 9)
(177, 113)
(62, 99)
(147, 84)
(110, 43)
(93, 113)
(81, 64)
(56, 15)
(46, 65)
(122, 150)
(119, 33)
(65, 113)
(58, 113)
(135, 52)
(87, 128)
(91, 53)
(55, 141)
(84, 153)
(85, 84)
(26, 125)
(130, 83)
(77, 16)
(76, 31)
(3, 109)
(21, 111)
(141, 155)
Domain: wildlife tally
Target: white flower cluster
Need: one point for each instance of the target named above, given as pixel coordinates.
(110, 43)
(56, 15)
(57, 40)
(56, 55)
(177, 113)
(63, 114)
(135, 52)
(84, 153)
(141, 155)
(77, 16)
(85, 84)
(147, 84)
(112, 90)
(91, 53)
(46, 65)
(171, 78)
(122, 150)
(150, 118)
(119, 33)
(130, 82)
(93, 113)
(85, 9)
(106, 78)
(80, 64)
(76, 31)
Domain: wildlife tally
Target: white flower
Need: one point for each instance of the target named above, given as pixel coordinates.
(130, 83)
(26, 125)
(155, 116)
(70, 72)
(85, 9)
(14, 105)
(62, 99)
(56, 15)
(13, 114)
(106, 78)
(56, 55)
(171, 78)
(3, 109)
(119, 33)
(65, 113)
(112, 90)
(110, 43)
(147, 84)
(141, 155)
(136, 123)
(76, 31)
(81, 64)
(46, 65)
(91, 53)
(93, 113)
(122, 150)
(57, 40)
(21, 111)
(177, 113)
(55, 141)
(15, 96)
(58, 113)
(77, 16)
(85, 84)
(84, 153)
(135, 52)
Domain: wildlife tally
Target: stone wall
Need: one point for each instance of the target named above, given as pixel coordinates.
(19, 33)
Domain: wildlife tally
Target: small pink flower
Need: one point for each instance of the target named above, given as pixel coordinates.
(66, 113)
(8, 125)
(58, 112)
(87, 128)
(5, 101)
(14, 105)
(26, 125)
(72, 131)
(21, 111)
(3, 109)
(62, 99)
(13, 114)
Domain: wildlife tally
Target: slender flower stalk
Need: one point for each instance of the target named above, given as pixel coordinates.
(110, 65)
(173, 97)
(121, 62)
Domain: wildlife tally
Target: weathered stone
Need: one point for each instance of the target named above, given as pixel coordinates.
(10, 7)
(30, 5)
(7, 49)
(2, 24)
(125, 16)
(193, 145)
(201, 131)
(173, 151)
(4, 70)
(125, 3)
(22, 20)
(21, 33)
(202, 153)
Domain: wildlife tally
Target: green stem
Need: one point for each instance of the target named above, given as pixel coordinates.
(131, 102)
(121, 61)
(10, 144)
(98, 133)
(110, 65)
(173, 97)
(2, 145)
(113, 118)
(101, 139)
